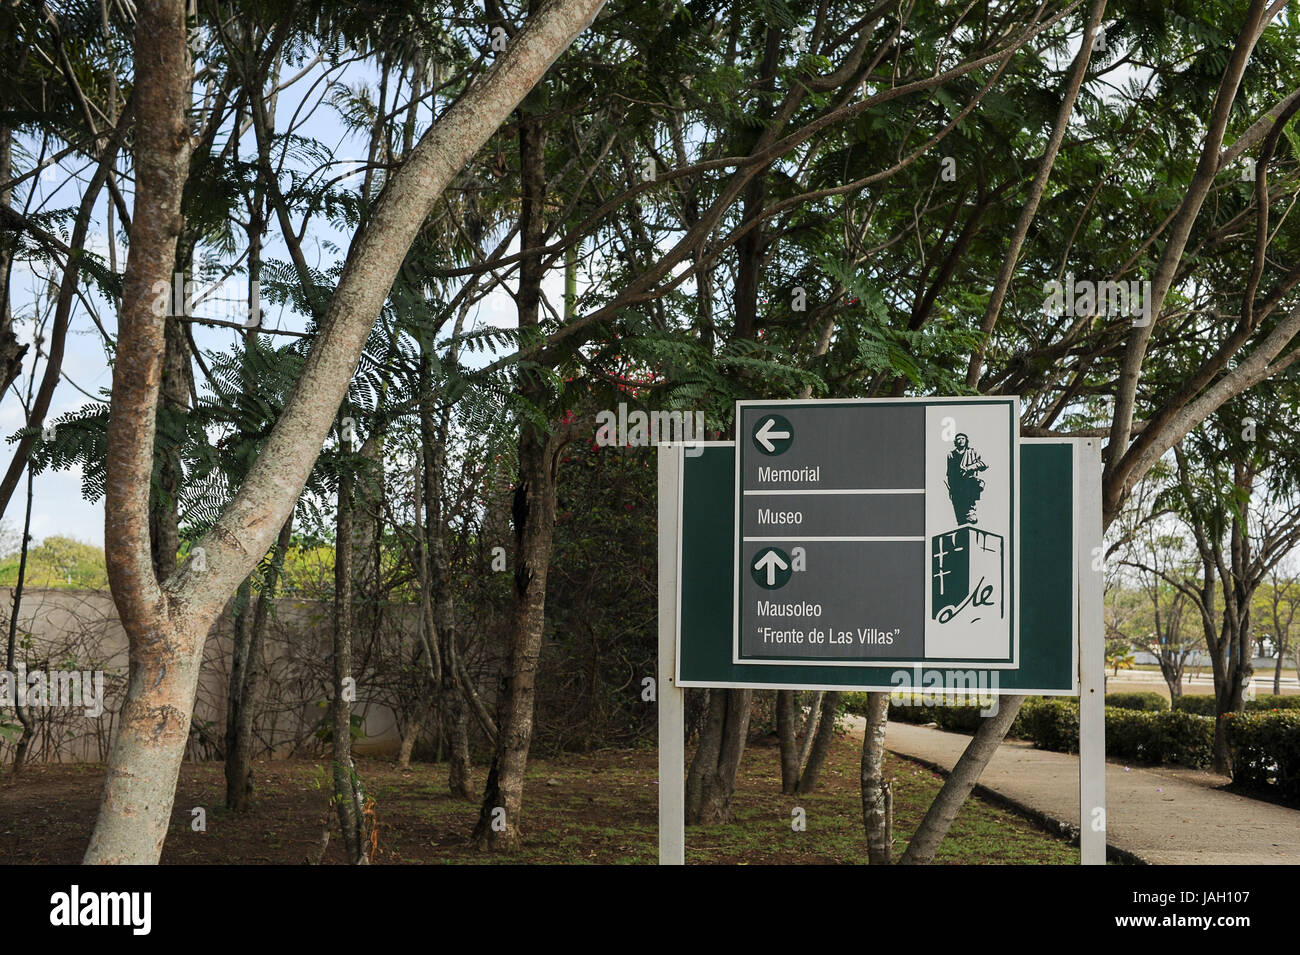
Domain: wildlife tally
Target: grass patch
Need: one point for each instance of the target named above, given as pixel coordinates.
(592, 808)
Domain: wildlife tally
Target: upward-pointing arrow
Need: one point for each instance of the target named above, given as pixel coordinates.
(772, 563)
(765, 434)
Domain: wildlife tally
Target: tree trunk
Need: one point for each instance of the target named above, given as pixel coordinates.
(823, 736)
(164, 515)
(787, 722)
(712, 777)
(810, 730)
(451, 694)
(236, 778)
(413, 730)
(455, 718)
(750, 247)
(534, 513)
(349, 798)
(498, 823)
(243, 696)
(1229, 698)
(877, 797)
(165, 636)
(11, 350)
(957, 787)
(24, 714)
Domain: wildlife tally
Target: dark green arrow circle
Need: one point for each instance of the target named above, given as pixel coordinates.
(770, 563)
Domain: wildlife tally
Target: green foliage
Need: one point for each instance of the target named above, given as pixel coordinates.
(1052, 723)
(1137, 701)
(1150, 736)
(1119, 655)
(1200, 705)
(1207, 706)
(958, 719)
(1164, 738)
(59, 563)
(602, 638)
(324, 730)
(1266, 752)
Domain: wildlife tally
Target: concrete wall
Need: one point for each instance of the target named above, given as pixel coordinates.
(77, 629)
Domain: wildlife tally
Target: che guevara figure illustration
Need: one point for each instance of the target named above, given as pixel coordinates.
(964, 484)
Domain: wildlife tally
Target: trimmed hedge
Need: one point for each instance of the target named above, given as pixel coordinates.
(1200, 705)
(959, 719)
(1150, 736)
(1266, 751)
(907, 713)
(856, 703)
(1204, 705)
(1137, 701)
(1051, 723)
(1265, 741)
(1181, 739)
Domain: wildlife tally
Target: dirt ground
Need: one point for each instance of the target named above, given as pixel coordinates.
(579, 808)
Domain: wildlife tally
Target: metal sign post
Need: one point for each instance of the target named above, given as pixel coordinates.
(1092, 661)
(670, 697)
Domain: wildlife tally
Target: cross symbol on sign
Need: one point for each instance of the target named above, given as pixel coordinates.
(941, 574)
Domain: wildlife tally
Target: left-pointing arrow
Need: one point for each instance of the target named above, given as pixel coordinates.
(765, 435)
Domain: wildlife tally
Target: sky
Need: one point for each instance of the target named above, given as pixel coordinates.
(59, 507)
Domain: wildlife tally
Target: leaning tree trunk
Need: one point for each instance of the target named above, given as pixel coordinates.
(957, 788)
(877, 797)
(711, 781)
(810, 729)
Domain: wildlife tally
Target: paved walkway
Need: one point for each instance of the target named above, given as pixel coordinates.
(1164, 815)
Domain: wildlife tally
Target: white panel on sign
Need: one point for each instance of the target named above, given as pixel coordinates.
(970, 477)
